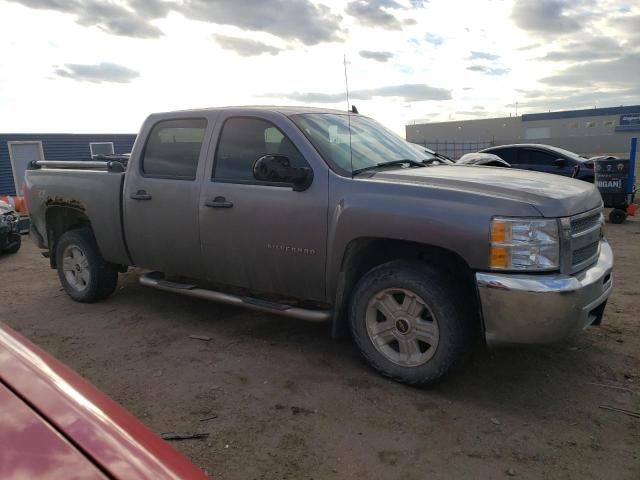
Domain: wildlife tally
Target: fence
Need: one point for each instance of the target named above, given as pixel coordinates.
(455, 150)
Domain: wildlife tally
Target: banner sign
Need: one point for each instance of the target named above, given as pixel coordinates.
(630, 119)
(611, 175)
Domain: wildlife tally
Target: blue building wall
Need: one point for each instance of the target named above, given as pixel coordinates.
(587, 112)
(57, 146)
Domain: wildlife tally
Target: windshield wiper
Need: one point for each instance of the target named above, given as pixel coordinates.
(404, 161)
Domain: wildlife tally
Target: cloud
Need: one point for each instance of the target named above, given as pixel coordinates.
(377, 56)
(483, 56)
(489, 70)
(298, 20)
(545, 16)
(293, 20)
(374, 13)
(98, 73)
(109, 17)
(116, 20)
(628, 26)
(435, 40)
(245, 47)
(557, 99)
(528, 47)
(604, 73)
(594, 48)
(407, 92)
(472, 113)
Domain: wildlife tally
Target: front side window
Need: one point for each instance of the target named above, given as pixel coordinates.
(536, 157)
(245, 140)
(173, 148)
(353, 143)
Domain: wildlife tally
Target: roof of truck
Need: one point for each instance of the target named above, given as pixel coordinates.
(286, 110)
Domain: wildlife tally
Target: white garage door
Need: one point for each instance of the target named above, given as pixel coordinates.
(21, 154)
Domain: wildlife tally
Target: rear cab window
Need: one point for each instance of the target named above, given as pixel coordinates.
(173, 148)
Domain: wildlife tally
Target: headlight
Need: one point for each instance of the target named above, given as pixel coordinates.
(524, 244)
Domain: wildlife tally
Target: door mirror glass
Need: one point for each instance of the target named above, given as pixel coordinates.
(560, 162)
(278, 169)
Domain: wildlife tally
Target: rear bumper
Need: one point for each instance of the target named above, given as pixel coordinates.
(533, 309)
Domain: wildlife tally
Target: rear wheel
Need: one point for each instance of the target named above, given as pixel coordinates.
(617, 216)
(84, 274)
(409, 322)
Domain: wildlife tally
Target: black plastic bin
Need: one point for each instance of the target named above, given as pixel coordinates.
(612, 179)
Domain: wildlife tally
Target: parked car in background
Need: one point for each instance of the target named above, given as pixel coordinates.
(10, 239)
(545, 158)
(436, 158)
(431, 156)
(486, 159)
(55, 425)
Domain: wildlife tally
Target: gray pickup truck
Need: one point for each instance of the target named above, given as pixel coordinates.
(327, 216)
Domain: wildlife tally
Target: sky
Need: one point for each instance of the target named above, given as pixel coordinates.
(91, 66)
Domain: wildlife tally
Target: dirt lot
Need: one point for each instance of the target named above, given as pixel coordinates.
(292, 403)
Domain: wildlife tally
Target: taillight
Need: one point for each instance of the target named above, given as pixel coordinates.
(25, 196)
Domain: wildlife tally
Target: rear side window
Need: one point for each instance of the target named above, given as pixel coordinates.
(173, 148)
(243, 141)
(506, 154)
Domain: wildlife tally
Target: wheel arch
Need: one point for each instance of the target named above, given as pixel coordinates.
(363, 254)
(61, 219)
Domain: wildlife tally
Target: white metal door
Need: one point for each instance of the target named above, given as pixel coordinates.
(21, 154)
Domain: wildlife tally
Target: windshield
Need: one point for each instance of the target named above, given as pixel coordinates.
(370, 144)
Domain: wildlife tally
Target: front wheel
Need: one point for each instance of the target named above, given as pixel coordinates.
(84, 274)
(409, 322)
(14, 240)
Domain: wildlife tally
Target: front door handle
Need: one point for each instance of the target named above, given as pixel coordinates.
(140, 195)
(219, 202)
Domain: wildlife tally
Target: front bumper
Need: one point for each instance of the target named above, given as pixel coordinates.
(544, 308)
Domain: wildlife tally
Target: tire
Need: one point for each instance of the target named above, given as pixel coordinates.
(427, 336)
(617, 216)
(15, 241)
(84, 274)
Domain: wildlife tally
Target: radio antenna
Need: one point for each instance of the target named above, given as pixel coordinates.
(346, 85)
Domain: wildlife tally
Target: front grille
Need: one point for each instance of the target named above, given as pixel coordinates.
(583, 224)
(583, 242)
(585, 253)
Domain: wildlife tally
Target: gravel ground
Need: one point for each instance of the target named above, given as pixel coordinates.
(290, 402)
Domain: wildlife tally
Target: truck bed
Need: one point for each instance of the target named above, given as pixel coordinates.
(97, 193)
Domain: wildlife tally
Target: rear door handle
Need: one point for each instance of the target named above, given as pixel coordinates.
(140, 195)
(219, 202)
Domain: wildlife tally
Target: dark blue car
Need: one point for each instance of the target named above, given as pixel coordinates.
(545, 158)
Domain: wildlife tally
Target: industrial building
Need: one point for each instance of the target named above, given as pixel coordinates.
(18, 149)
(588, 132)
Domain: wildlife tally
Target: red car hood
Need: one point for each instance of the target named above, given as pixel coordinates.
(48, 409)
(31, 448)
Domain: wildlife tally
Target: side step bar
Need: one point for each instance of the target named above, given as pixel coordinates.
(155, 280)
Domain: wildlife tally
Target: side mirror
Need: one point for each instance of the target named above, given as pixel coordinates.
(278, 169)
(560, 162)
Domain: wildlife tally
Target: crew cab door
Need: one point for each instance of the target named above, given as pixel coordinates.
(262, 236)
(162, 191)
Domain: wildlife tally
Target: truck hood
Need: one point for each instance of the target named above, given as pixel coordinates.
(551, 195)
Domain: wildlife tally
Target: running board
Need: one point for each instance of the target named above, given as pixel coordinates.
(155, 280)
